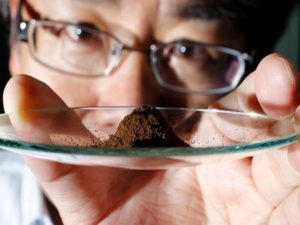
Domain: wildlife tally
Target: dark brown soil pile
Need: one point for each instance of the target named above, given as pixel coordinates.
(144, 127)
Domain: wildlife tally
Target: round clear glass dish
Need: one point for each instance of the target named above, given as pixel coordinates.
(64, 135)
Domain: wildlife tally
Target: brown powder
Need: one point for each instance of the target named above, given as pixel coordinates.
(144, 127)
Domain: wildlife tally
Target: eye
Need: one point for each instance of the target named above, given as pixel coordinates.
(190, 51)
(79, 33)
(186, 50)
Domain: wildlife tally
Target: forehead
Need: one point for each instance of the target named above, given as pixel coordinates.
(183, 8)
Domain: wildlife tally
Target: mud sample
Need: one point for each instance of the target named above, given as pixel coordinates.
(144, 127)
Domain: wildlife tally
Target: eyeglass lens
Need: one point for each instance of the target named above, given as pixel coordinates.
(196, 67)
(79, 50)
(181, 65)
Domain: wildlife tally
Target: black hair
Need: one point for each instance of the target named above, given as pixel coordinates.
(4, 39)
(4, 13)
(4, 26)
(260, 21)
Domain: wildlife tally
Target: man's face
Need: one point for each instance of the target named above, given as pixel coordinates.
(137, 24)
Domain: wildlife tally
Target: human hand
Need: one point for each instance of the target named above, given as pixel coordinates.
(263, 189)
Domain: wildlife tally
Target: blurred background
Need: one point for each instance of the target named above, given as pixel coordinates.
(288, 45)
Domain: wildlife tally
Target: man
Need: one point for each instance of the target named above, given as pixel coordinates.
(162, 53)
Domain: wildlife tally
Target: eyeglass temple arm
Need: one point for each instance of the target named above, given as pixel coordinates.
(249, 56)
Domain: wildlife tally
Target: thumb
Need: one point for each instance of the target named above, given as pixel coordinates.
(37, 116)
(272, 89)
(277, 86)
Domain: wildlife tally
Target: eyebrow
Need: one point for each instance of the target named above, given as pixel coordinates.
(33, 13)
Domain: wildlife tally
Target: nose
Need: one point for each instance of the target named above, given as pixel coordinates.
(130, 84)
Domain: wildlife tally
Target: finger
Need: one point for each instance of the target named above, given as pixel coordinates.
(80, 193)
(250, 128)
(24, 92)
(273, 89)
(277, 86)
(21, 95)
(242, 99)
(39, 115)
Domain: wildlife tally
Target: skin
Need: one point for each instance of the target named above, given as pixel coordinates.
(256, 189)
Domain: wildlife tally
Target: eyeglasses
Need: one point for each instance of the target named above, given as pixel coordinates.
(182, 66)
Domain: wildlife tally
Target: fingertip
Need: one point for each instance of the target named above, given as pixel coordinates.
(25, 92)
(277, 84)
(21, 96)
(11, 92)
(26, 99)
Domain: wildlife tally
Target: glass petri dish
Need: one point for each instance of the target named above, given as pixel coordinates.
(76, 135)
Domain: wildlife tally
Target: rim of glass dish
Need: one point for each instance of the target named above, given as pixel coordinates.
(150, 151)
(209, 110)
